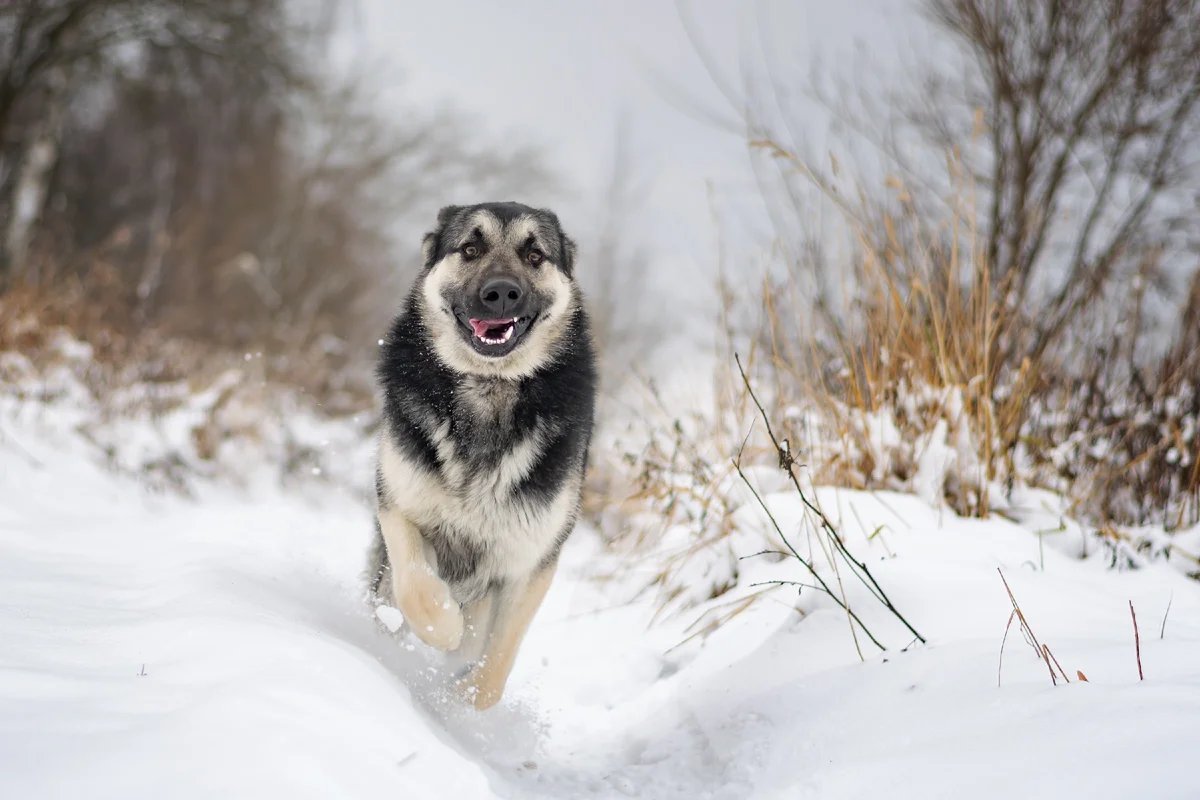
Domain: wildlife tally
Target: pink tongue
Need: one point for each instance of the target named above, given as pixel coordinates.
(481, 326)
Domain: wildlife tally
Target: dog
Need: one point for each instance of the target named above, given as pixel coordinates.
(488, 380)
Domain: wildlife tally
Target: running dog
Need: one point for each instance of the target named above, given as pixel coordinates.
(488, 380)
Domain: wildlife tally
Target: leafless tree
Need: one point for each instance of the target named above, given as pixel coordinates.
(54, 51)
(203, 157)
(1090, 113)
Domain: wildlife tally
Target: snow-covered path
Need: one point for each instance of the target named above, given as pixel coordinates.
(158, 646)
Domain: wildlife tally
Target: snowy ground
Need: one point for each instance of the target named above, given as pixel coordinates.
(153, 645)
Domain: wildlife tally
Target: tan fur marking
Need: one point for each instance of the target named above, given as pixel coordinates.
(521, 229)
(478, 619)
(485, 684)
(486, 221)
(422, 597)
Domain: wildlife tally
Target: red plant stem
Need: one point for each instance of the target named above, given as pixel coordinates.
(1037, 646)
(1049, 655)
(1137, 642)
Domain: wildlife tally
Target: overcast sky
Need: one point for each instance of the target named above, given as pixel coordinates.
(566, 75)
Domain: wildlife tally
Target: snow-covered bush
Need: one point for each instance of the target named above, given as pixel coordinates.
(991, 279)
(921, 383)
(925, 373)
(168, 411)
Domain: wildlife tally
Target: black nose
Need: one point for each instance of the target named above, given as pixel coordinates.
(500, 297)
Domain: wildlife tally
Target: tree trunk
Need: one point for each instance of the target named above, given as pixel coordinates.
(33, 174)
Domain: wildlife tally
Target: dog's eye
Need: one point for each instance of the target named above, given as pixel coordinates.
(470, 251)
(534, 258)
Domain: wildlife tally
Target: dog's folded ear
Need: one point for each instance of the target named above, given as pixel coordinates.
(430, 244)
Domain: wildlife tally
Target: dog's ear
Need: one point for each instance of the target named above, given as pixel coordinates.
(446, 214)
(429, 248)
(567, 246)
(430, 245)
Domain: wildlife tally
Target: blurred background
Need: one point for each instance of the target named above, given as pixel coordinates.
(880, 205)
(257, 175)
(896, 299)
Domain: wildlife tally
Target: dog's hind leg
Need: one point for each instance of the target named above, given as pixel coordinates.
(423, 598)
(516, 603)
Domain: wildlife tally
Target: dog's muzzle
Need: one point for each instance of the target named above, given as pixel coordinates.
(493, 337)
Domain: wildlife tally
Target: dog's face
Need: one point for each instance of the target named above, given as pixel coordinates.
(497, 292)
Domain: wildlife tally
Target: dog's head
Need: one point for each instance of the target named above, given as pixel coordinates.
(497, 293)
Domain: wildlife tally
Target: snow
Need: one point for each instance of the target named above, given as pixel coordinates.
(219, 645)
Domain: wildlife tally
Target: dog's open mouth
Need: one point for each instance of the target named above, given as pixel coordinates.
(493, 331)
(494, 337)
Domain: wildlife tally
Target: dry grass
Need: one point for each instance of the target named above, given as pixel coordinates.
(212, 412)
(919, 345)
(930, 377)
(927, 379)
(124, 352)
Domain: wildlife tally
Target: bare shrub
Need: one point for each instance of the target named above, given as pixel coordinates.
(1091, 125)
(1001, 308)
(904, 382)
(910, 383)
(169, 410)
(63, 58)
(1013, 316)
(211, 180)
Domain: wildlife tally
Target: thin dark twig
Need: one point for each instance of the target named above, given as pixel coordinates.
(1137, 642)
(786, 462)
(824, 587)
(1163, 629)
(1000, 665)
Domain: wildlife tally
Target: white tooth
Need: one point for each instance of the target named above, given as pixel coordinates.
(507, 333)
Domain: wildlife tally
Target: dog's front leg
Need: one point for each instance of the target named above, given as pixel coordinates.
(515, 605)
(477, 618)
(423, 598)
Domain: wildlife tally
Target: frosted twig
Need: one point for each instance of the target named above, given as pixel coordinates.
(786, 463)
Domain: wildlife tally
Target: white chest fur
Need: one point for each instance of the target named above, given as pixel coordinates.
(512, 531)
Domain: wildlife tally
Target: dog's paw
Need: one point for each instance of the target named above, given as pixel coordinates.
(429, 608)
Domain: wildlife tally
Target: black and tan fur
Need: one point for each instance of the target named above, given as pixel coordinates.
(483, 446)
